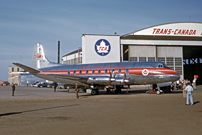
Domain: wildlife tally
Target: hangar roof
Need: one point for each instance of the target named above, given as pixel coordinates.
(190, 31)
(148, 37)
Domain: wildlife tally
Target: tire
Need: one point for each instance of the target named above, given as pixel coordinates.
(158, 92)
(94, 92)
(108, 90)
(84, 90)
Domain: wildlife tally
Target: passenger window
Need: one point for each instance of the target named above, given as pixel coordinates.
(80, 72)
(99, 71)
(127, 71)
(86, 71)
(119, 71)
(93, 72)
(74, 72)
(105, 71)
(68, 73)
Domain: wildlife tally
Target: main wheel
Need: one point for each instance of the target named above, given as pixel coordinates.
(118, 89)
(94, 92)
(108, 90)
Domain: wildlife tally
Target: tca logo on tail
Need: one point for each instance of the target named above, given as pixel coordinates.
(38, 56)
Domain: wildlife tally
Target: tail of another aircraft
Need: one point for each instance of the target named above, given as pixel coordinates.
(39, 59)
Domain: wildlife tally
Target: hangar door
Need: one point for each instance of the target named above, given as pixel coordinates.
(192, 61)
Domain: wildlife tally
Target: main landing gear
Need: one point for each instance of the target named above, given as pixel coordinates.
(117, 90)
(94, 92)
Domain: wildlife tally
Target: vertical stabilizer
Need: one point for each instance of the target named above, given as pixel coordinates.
(39, 59)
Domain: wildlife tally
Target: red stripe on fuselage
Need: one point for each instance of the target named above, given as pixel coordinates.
(135, 71)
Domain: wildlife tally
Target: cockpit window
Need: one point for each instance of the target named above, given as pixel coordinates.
(162, 66)
(165, 66)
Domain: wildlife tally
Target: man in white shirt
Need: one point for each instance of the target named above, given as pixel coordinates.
(189, 90)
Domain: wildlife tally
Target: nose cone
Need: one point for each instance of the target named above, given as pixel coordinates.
(175, 76)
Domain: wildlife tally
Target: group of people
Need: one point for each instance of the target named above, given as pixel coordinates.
(186, 86)
(187, 90)
(76, 89)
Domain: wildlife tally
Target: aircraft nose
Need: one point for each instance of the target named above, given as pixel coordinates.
(175, 76)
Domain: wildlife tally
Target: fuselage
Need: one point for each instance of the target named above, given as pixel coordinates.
(131, 73)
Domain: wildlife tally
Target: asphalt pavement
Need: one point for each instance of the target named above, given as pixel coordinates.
(24, 92)
(42, 111)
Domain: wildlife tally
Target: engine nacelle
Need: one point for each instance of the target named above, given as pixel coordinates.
(100, 80)
(164, 84)
(107, 80)
(120, 81)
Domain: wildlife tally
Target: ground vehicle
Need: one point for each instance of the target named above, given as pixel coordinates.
(50, 85)
(34, 84)
(62, 86)
(41, 84)
(5, 84)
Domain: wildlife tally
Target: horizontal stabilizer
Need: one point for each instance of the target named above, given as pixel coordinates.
(28, 69)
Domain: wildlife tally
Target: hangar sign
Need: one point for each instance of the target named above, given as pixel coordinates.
(157, 31)
(173, 29)
(102, 47)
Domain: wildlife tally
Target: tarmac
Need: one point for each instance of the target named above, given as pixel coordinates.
(42, 111)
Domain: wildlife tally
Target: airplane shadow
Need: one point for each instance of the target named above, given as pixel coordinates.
(14, 113)
(130, 92)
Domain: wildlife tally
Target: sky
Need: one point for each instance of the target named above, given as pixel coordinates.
(23, 23)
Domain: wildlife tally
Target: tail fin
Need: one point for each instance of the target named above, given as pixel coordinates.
(39, 59)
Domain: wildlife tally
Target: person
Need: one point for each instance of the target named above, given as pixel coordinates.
(184, 94)
(68, 88)
(189, 90)
(177, 84)
(77, 90)
(55, 86)
(13, 88)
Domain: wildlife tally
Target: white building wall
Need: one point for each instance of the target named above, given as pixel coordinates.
(90, 54)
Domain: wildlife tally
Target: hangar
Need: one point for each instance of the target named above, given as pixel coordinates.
(177, 44)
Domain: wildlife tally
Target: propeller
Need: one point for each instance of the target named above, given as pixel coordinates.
(124, 79)
(111, 75)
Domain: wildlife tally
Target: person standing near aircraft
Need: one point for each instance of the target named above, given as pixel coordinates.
(55, 86)
(77, 90)
(68, 87)
(13, 88)
(183, 89)
(189, 90)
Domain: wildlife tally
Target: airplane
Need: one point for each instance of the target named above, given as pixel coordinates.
(98, 76)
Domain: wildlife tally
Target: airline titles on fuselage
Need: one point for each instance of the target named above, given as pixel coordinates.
(102, 67)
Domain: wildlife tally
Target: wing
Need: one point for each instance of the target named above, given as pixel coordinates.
(81, 79)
